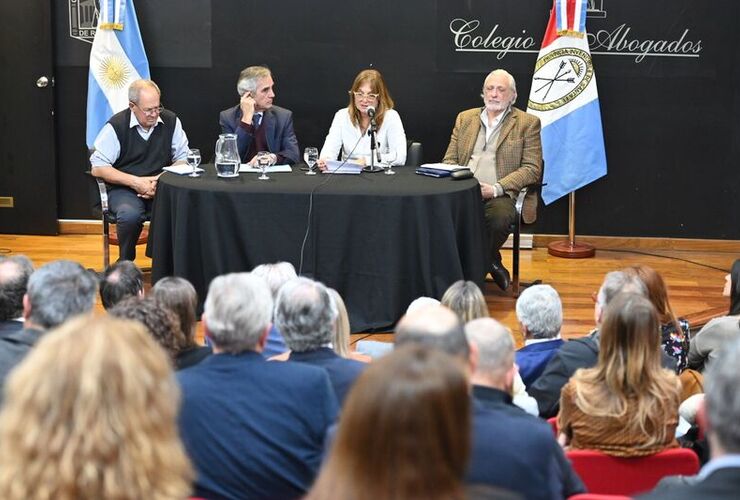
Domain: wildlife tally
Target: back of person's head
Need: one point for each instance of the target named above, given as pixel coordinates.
(120, 280)
(59, 290)
(275, 275)
(722, 400)
(421, 303)
(466, 300)
(434, 326)
(735, 289)
(180, 297)
(540, 311)
(305, 314)
(629, 366)
(416, 399)
(14, 274)
(237, 312)
(495, 347)
(614, 283)
(657, 292)
(91, 413)
(340, 340)
(159, 320)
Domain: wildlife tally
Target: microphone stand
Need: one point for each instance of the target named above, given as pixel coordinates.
(373, 145)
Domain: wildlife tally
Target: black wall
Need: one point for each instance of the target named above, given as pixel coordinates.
(671, 124)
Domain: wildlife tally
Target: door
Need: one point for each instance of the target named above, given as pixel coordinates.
(28, 192)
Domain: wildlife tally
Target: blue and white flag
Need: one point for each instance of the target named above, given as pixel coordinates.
(117, 58)
(565, 98)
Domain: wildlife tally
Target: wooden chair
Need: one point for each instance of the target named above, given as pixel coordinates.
(516, 227)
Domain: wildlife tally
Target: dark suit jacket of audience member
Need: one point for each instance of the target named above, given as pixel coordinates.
(191, 357)
(13, 348)
(253, 428)
(533, 358)
(516, 451)
(342, 371)
(279, 132)
(10, 326)
(721, 484)
(574, 354)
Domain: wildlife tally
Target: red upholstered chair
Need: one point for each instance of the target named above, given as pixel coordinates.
(553, 421)
(609, 475)
(597, 496)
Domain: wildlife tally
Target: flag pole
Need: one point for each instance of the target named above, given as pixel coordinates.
(569, 249)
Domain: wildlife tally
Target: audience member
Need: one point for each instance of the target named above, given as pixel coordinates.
(675, 332)
(253, 428)
(404, 432)
(540, 315)
(466, 300)
(56, 292)
(306, 315)
(627, 405)
(91, 413)
(161, 323)
(180, 297)
(340, 339)
(583, 352)
(720, 477)
(14, 273)
(420, 303)
(705, 345)
(121, 280)
(276, 275)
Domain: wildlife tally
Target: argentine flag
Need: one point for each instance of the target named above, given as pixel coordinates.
(565, 98)
(117, 58)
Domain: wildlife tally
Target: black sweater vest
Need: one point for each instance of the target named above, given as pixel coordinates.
(138, 156)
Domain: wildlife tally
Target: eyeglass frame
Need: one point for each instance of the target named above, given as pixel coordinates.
(361, 95)
(151, 111)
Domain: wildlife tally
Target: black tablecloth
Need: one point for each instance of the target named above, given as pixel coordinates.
(379, 240)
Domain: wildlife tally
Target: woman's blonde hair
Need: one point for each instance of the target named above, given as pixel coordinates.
(629, 369)
(340, 342)
(466, 300)
(377, 86)
(91, 413)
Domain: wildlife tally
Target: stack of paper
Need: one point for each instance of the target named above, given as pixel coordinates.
(438, 169)
(343, 167)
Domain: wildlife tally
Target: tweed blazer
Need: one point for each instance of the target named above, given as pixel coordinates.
(518, 152)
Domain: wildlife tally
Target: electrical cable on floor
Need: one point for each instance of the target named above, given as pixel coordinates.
(639, 252)
(361, 338)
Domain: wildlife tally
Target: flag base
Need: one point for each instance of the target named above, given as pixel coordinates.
(571, 250)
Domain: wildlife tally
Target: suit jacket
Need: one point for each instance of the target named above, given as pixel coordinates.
(253, 428)
(10, 326)
(533, 358)
(279, 132)
(342, 371)
(518, 152)
(516, 451)
(13, 348)
(721, 484)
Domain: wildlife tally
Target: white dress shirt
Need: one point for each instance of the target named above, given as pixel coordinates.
(343, 136)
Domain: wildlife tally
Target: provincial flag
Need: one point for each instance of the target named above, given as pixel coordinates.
(117, 58)
(565, 98)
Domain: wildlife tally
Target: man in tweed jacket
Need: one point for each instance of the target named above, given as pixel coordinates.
(502, 146)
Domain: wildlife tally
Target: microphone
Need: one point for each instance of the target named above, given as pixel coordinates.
(371, 111)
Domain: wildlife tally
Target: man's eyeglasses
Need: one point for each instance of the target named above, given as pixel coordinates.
(150, 111)
(362, 95)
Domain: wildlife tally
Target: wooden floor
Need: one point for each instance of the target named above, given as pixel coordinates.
(695, 278)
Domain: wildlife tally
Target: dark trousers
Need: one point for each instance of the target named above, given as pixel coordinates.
(500, 215)
(130, 212)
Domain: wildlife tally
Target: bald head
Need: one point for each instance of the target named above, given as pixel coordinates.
(433, 326)
(495, 347)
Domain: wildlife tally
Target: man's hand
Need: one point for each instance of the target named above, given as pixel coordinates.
(145, 187)
(486, 191)
(247, 106)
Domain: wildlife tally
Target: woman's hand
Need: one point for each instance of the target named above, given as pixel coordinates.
(321, 163)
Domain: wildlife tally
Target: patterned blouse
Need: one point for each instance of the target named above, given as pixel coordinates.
(676, 344)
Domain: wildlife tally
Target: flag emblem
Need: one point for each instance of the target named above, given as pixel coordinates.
(115, 72)
(559, 77)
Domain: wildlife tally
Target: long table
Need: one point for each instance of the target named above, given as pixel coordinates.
(380, 240)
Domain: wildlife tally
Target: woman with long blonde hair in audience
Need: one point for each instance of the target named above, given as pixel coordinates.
(340, 342)
(466, 300)
(91, 414)
(627, 405)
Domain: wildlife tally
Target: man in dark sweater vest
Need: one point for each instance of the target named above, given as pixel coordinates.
(130, 152)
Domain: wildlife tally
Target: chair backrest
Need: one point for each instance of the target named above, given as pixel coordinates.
(609, 475)
(553, 421)
(414, 153)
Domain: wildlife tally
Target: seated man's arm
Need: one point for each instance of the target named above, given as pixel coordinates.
(107, 150)
(179, 147)
(530, 167)
(243, 130)
(452, 155)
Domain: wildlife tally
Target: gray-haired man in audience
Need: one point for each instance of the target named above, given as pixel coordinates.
(14, 274)
(306, 316)
(56, 292)
(720, 477)
(275, 275)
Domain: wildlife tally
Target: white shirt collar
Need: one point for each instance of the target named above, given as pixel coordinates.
(133, 122)
(539, 341)
(496, 121)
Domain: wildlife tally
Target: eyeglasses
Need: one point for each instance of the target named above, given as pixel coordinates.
(362, 95)
(150, 111)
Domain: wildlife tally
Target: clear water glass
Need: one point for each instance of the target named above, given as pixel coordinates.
(311, 157)
(193, 159)
(263, 160)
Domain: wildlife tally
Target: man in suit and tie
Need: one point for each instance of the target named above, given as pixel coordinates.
(502, 147)
(14, 273)
(257, 123)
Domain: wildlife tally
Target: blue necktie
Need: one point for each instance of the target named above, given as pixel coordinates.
(256, 119)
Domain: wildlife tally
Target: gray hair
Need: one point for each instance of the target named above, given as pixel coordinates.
(14, 273)
(421, 303)
(237, 311)
(723, 398)
(305, 314)
(134, 90)
(435, 326)
(250, 77)
(59, 290)
(495, 345)
(507, 75)
(617, 282)
(539, 309)
(276, 275)
(121, 280)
